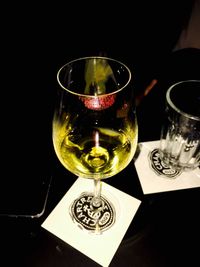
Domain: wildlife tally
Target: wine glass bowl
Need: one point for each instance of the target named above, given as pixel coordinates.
(95, 131)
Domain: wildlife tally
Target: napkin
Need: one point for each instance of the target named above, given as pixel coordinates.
(153, 178)
(99, 247)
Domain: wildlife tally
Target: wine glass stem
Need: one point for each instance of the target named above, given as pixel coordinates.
(96, 201)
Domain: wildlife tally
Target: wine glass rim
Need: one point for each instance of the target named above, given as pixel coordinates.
(173, 106)
(95, 57)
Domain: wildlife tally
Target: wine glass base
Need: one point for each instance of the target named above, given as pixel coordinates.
(90, 219)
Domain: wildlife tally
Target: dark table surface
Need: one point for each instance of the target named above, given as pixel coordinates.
(164, 232)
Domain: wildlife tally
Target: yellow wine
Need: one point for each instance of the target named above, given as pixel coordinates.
(94, 152)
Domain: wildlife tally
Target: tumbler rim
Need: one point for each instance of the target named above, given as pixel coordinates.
(173, 106)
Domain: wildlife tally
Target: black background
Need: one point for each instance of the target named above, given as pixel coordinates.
(36, 39)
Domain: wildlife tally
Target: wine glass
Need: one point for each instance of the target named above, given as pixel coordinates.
(95, 131)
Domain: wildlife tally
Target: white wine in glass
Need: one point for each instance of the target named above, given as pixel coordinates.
(95, 131)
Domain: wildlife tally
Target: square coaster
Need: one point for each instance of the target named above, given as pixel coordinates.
(156, 177)
(99, 247)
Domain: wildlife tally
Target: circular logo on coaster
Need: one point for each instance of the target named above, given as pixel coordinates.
(89, 218)
(160, 167)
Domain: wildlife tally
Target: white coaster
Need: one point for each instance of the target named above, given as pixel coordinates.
(154, 177)
(99, 247)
